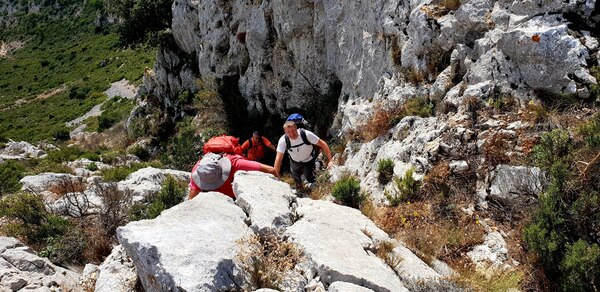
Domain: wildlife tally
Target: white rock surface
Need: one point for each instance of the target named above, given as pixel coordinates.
(414, 141)
(411, 267)
(188, 247)
(509, 182)
(148, 180)
(335, 239)
(117, 273)
(20, 150)
(493, 253)
(52, 183)
(346, 287)
(266, 201)
(21, 269)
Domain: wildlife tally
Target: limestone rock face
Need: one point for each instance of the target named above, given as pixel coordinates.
(410, 144)
(117, 273)
(283, 56)
(21, 268)
(509, 182)
(20, 150)
(189, 247)
(265, 200)
(148, 180)
(335, 240)
(194, 246)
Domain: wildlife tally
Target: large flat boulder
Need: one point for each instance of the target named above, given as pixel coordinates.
(189, 247)
(337, 240)
(266, 200)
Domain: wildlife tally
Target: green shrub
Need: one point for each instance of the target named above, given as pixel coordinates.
(61, 134)
(139, 151)
(117, 173)
(171, 194)
(93, 156)
(140, 17)
(591, 132)
(11, 172)
(554, 147)
(581, 266)
(385, 167)
(33, 222)
(405, 188)
(106, 120)
(420, 107)
(567, 217)
(92, 167)
(64, 154)
(347, 191)
(185, 149)
(66, 248)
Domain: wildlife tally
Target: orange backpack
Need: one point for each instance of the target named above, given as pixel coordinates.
(223, 144)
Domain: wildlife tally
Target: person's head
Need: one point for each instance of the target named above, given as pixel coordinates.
(290, 129)
(255, 136)
(212, 172)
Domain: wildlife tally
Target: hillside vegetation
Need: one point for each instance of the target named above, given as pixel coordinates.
(67, 61)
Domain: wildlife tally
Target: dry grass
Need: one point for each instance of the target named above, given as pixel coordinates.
(490, 282)
(383, 250)
(266, 260)
(496, 148)
(379, 123)
(535, 113)
(386, 116)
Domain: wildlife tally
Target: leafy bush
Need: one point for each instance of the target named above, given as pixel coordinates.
(347, 190)
(11, 172)
(92, 167)
(171, 194)
(405, 188)
(31, 221)
(185, 149)
(385, 167)
(591, 132)
(567, 217)
(139, 151)
(554, 147)
(66, 248)
(118, 173)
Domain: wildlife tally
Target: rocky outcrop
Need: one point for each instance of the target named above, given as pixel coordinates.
(508, 183)
(20, 150)
(148, 181)
(52, 185)
(21, 269)
(412, 143)
(189, 247)
(338, 242)
(266, 201)
(280, 59)
(116, 274)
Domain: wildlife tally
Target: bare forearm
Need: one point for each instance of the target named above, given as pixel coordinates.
(193, 193)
